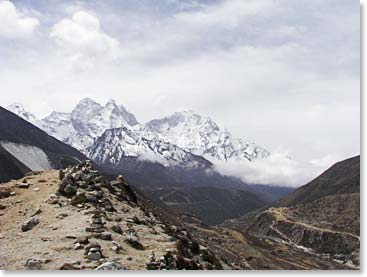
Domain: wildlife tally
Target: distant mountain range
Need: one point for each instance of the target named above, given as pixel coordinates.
(170, 160)
(177, 139)
(173, 167)
(24, 148)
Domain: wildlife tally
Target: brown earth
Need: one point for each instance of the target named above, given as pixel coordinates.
(53, 239)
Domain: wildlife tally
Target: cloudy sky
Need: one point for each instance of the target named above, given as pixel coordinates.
(282, 73)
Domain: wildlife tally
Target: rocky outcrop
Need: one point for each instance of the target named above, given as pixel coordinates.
(80, 220)
(277, 224)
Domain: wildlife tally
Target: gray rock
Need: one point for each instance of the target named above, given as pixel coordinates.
(132, 239)
(53, 199)
(61, 174)
(110, 266)
(82, 240)
(79, 198)
(117, 228)
(33, 264)
(38, 211)
(95, 255)
(116, 246)
(106, 236)
(78, 246)
(68, 187)
(23, 186)
(30, 224)
(68, 266)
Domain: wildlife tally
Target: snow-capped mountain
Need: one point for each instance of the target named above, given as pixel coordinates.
(119, 143)
(58, 125)
(90, 118)
(202, 136)
(84, 124)
(19, 110)
(108, 133)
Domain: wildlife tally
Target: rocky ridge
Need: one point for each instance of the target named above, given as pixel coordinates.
(76, 219)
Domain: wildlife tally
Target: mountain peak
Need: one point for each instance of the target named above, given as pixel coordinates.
(19, 110)
(203, 136)
(111, 102)
(16, 105)
(87, 100)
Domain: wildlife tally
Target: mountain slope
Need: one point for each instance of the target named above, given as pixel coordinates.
(322, 217)
(102, 225)
(117, 143)
(87, 121)
(79, 220)
(189, 131)
(112, 137)
(11, 168)
(23, 135)
(20, 111)
(202, 136)
(343, 177)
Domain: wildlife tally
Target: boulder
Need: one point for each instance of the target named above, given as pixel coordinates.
(30, 224)
(132, 239)
(79, 198)
(23, 186)
(110, 266)
(94, 254)
(106, 236)
(117, 228)
(68, 187)
(68, 266)
(82, 240)
(33, 264)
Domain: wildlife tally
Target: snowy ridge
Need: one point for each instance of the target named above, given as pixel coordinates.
(108, 133)
(115, 144)
(58, 125)
(19, 110)
(83, 125)
(202, 136)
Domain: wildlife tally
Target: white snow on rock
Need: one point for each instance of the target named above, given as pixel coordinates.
(32, 157)
(202, 136)
(168, 140)
(20, 111)
(118, 143)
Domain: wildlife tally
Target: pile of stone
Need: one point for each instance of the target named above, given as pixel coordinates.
(190, 254)
(85, 188)
(94, 252)
(172, 261)
(97, 225)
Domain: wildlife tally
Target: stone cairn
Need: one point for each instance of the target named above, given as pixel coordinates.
(84, 187)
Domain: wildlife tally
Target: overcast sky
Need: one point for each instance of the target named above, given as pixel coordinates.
(283, 74)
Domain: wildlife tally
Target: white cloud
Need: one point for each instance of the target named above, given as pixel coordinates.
(325, 161)
(14, 24)
(278, 170)
(83, 41)
(283, 74)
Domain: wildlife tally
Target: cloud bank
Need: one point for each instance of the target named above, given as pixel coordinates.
(277, 170)
(283, 74)
(14, 24)
(83, 41)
